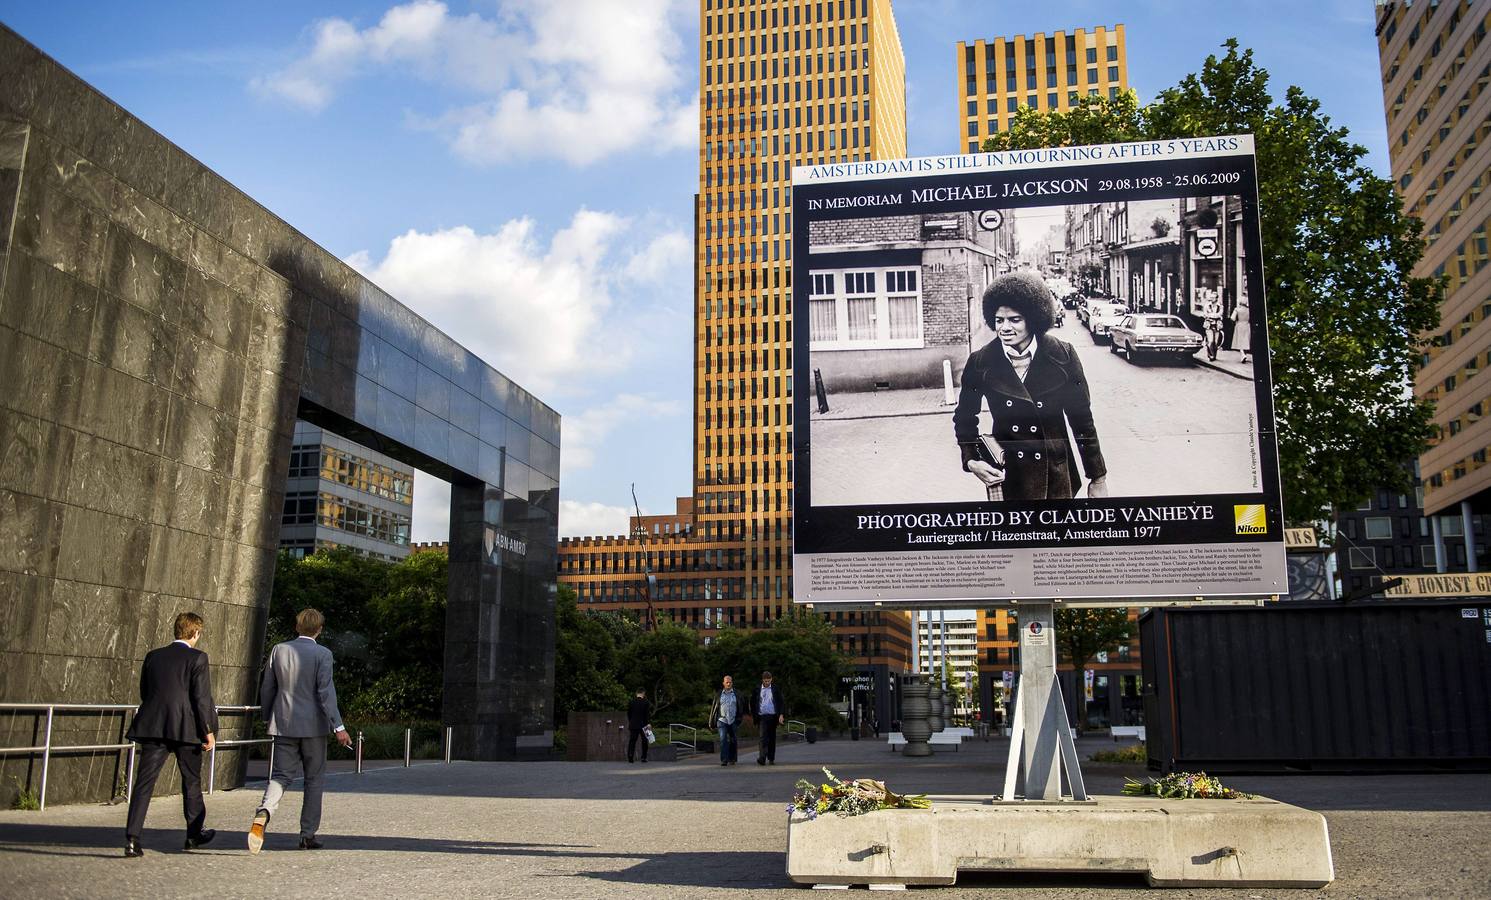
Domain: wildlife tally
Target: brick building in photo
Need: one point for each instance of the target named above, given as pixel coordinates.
(892, 297)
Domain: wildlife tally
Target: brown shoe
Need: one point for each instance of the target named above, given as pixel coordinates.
(256, 831)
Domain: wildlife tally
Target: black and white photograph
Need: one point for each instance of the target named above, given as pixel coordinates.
(1014, 362)
(1032, 353)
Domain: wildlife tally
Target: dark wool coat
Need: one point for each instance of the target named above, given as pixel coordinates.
(1030, 419)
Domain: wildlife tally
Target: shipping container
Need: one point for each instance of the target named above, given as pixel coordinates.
(1400, 685)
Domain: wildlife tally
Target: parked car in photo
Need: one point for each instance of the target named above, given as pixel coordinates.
(1102, 315)
(1154, 334)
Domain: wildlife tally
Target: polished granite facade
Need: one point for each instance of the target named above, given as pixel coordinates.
(160, 333)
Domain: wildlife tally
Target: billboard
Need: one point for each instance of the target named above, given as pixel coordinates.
(1033, 374)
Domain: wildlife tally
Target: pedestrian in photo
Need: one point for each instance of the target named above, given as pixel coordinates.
(1242, 331)
(176, 718)
(725, 715)
(1034, 387)
(299, 700)
(637, 714)
(769, 711)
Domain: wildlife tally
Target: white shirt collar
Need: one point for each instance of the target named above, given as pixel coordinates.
(1029, 349)
(305, 637)
(180, 641)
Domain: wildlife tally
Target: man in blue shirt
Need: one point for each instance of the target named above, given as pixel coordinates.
(725, 714)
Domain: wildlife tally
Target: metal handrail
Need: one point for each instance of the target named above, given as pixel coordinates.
(692, 744)
(47, 748)
(802, 728)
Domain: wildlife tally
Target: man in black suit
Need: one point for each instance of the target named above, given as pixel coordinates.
(176, 718)
(769, 710)
(637, 713)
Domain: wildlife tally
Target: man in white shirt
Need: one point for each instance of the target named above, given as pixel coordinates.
(769, 710)
(300, 704)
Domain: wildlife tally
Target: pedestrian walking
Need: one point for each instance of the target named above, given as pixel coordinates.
(300, 703)
(769, 710)
(725, 715)
(1242, 331)
(1034, 386)
(176, 718)
(637, 714)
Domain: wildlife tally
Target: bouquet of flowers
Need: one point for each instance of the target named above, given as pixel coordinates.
(1184, 786)
(850, 798)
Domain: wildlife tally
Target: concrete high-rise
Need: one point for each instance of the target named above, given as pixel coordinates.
(1436, 70)
(1046, 72)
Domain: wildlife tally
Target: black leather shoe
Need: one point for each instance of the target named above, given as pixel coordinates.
(760, 760)
(132, 848)
(310, 843)
(205, 837)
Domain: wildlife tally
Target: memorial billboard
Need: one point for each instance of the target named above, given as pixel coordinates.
(1036, 374)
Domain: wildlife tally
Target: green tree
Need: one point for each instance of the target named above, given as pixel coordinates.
(1344, 311)
(667, 662)
(798, 649)
(1082, 634)
(410, 612)
(585, 661)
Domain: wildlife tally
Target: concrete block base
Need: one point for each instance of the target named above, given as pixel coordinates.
(1174, 843)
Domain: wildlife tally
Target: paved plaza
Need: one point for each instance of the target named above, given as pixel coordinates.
(675, 830)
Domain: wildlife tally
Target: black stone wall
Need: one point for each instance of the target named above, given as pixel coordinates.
(160, 332)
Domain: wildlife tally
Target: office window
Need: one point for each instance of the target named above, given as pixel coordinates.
(1362, 557)
(1378, 528)
(1112, 53)
(1113, 73)
(1426, 555)
(1092, 54)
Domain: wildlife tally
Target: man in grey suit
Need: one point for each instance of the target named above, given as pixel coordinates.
(300, 704)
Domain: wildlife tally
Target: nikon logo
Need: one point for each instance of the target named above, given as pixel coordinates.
(1250, 519)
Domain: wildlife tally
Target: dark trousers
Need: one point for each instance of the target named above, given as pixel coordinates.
(631, 744)
(768, 749)
(151, 757)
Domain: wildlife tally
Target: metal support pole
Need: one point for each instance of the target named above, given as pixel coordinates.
(211, 768)
(46, 759)
(1441, 564)
(942, 653)
(448, 731)
(1469, 529)
(358, 751)
(916, 639)
(408, 737)
(1042, 745)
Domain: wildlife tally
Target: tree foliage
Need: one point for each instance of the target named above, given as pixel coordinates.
(1345, 314)
(384, 621)
(1082, 634)
(798, 650)
(585, 657)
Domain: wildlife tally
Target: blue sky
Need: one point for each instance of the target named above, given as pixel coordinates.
(522, 173)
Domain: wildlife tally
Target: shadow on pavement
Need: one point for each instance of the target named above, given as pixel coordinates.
(721, 869)
(39, 838)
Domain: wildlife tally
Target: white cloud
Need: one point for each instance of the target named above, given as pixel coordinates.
(591, 519)
(667, 254)
(585, 432)
(431, 509)
(537, 312)
(574, 79)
